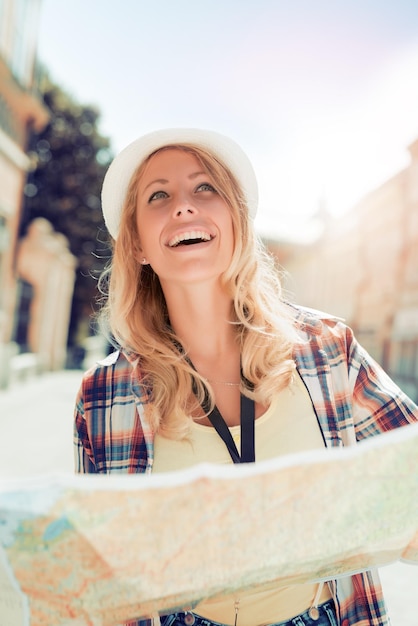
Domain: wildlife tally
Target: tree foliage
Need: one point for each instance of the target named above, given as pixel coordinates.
(70, 158)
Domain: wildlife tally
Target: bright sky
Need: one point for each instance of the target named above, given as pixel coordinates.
(321, 94)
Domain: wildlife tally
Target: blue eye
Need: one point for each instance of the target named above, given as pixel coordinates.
(206, 187)
(157, 195)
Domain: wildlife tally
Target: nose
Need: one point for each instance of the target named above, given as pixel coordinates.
(183, 208)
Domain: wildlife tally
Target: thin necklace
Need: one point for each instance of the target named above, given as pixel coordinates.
(223, 382)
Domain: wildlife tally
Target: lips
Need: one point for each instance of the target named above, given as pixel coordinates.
(189, 237)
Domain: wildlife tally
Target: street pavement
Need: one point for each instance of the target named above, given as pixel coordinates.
(36, 438)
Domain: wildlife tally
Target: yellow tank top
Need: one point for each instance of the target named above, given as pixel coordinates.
(289, 425)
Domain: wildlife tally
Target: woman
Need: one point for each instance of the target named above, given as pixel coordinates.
(208, 348)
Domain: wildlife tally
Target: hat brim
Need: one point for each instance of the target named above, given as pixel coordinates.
(122, 168)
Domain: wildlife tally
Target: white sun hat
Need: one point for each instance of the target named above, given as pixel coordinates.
(122, 168)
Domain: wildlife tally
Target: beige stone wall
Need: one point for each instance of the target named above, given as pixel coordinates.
(44, 261)
(20, 111)
(365, 269)
(11, 185)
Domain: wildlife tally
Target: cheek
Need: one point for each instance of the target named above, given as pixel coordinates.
(142, 240)
(137, 231)
(142, 224)
(148, 233)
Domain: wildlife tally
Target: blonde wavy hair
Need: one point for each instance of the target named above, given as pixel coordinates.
(136, 314)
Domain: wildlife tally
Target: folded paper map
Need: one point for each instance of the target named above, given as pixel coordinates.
(100, 550)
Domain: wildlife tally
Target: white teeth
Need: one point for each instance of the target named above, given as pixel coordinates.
(193, 234)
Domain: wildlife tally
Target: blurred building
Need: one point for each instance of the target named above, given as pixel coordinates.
(46, 271)
(21, 111)
(364, 268)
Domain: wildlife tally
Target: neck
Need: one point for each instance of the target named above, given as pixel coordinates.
(201, 318)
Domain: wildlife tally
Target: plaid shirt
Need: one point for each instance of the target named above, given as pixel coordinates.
(352, 397)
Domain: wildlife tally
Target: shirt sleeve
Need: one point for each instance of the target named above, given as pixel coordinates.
(83, 453)
(379, 405)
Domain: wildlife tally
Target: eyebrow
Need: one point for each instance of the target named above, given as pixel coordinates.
(164, 181)
(160, 181)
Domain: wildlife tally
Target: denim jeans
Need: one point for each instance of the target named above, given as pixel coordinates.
(326, 617)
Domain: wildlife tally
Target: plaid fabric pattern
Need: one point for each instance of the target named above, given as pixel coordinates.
(351, 395)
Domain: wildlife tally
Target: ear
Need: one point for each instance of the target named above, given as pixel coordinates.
(139, 257)
(138, 254)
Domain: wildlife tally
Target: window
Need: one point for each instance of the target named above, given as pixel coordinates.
(19, 30)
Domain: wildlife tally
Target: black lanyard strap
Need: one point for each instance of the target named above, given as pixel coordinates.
(247, 431)
(247, 422)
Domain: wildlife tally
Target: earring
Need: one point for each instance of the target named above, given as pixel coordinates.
(144, 261)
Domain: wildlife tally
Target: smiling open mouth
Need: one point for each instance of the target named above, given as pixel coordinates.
(190, 238)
